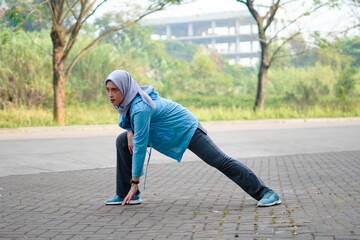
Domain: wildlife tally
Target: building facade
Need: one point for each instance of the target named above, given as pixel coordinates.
(232, 34)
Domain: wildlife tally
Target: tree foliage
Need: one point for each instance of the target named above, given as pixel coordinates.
(207, 80)
(29, 15)
(67, 18)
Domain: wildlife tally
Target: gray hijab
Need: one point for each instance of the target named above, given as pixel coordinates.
(129, 89)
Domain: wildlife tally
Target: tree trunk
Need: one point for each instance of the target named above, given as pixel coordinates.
(59, 95)
(58, 76)
(260, 96)
(264, 66)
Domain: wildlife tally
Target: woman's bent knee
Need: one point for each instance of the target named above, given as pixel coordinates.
(121, 140)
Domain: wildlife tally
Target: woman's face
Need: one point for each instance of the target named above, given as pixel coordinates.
(114, 93)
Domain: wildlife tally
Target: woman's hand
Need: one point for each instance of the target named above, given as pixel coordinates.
(130, 194)
(130, 135)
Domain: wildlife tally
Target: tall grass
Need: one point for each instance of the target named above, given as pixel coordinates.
(25, 69)
(39, 117)
(105, 114)
(286, 112)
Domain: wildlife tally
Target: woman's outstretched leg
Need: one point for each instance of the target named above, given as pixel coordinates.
(206, 149)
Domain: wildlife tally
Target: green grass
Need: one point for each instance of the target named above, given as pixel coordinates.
(39, 117)
(273, 112)
(95, 115)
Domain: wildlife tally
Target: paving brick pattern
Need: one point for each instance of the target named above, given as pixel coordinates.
(320, 194)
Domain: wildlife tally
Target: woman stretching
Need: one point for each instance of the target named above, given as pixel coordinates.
(168, 127)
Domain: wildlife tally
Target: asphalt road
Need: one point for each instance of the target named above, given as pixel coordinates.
(35, 150)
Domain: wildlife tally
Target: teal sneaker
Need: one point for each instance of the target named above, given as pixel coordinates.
(270, 198)
(117, 200)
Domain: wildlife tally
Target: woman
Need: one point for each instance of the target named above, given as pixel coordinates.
(170, 129)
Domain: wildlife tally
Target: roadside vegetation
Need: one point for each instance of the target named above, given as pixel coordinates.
(322, 82)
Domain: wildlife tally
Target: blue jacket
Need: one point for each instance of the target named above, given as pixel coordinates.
(168, 129)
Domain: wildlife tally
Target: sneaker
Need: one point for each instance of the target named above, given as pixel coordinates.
(270, 198)
(117, 200)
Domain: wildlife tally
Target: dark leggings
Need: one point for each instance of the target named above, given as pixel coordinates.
(203, 147)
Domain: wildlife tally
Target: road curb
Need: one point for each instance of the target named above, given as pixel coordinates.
(205, 124)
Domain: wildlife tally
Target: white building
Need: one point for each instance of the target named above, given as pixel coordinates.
(232, 34)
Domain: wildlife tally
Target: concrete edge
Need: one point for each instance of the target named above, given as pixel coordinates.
(205, 124)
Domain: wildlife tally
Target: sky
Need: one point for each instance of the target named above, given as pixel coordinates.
(326, 21)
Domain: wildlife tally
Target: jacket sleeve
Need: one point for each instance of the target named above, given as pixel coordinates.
(141, 124)
(124, 123)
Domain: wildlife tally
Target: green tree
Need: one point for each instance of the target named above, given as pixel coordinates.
(28, 15)
(351, 47)
(67, 19)
(181, 50)
(263, 22)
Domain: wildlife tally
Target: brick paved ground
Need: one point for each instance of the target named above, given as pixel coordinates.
(320, 194)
